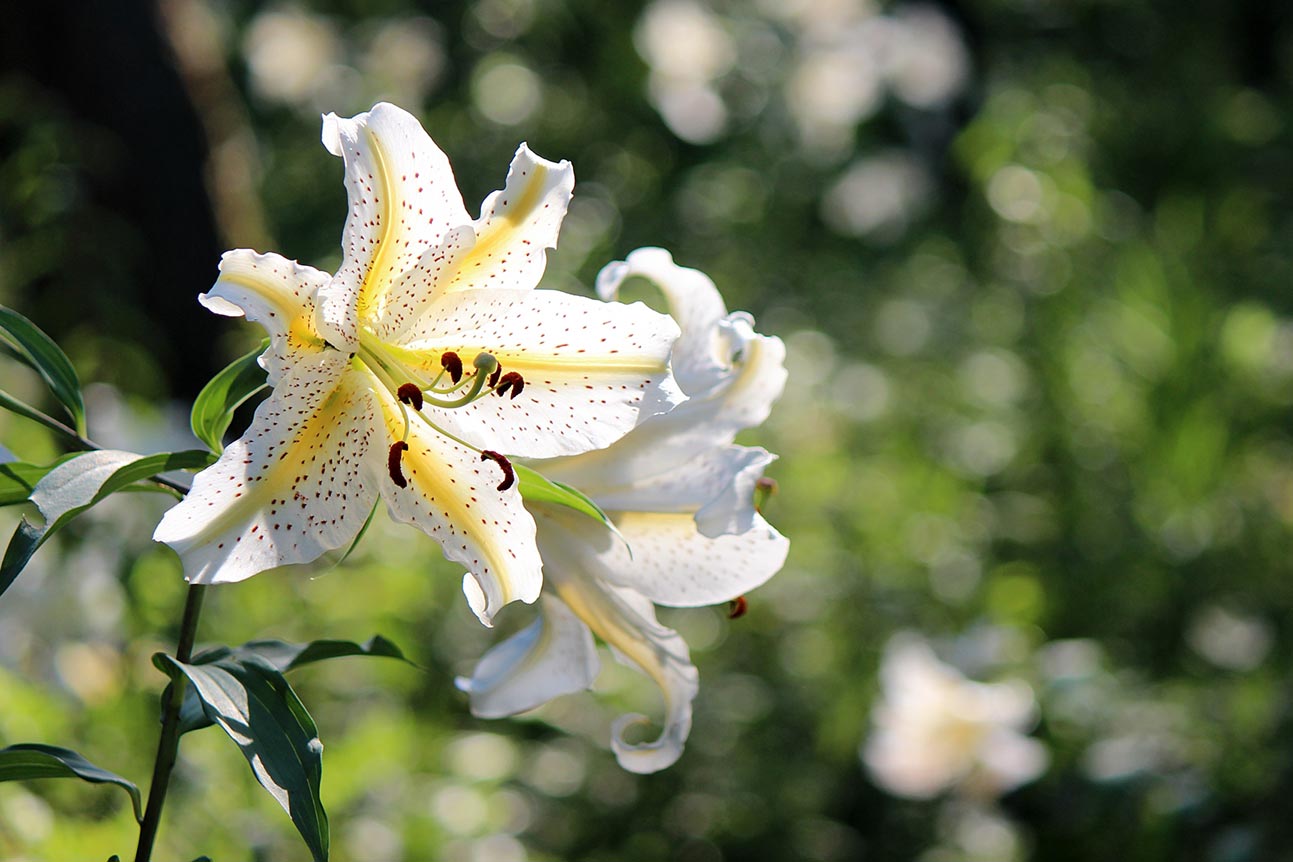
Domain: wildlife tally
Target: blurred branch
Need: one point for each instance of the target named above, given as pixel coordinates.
(194, 34)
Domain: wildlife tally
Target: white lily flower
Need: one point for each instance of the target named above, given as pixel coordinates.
(933, 729)
(682, 498)
(383, 373)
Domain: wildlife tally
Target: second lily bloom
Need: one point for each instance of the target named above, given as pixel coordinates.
(682, 497)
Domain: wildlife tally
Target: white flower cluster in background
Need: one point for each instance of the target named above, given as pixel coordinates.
(933, 730)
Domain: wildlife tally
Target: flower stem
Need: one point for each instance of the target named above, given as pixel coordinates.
(169, 743)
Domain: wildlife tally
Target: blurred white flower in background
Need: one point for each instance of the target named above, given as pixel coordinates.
(847, 57)
(688, 49)
(292, 55)
(304, 60)
(934, 730)
(878, 196)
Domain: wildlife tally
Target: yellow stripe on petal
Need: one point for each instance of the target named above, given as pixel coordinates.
(592, 369)
(277, 293)
(452, 495)
(517, 225)
(625, 621)
(296, 484)
(403, 201)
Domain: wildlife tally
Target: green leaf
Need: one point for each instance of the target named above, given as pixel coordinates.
(284, 657)
(26, 761)
(26, 539)
(40, 352)
(254, 705)
(79, 482)
(215, 405)
(18, 479)
(289, 656)
(537, 488)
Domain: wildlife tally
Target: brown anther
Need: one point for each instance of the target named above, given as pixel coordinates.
(398, 448)
(511, 380)
(737, 607)
(508, 476)
(763, 489)
(450, 362)
(493, 378)
(410, 394)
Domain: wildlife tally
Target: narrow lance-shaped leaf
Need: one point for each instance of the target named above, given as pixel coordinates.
(537, 488)
(29, 760)
(40, 352)
(215, 405)
(77, 484)
(254, 705)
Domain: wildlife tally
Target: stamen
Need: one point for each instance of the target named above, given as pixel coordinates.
(398, 448)
(493, 378)
(511, 380)
(737, 607)
(508, 476)
(763, 489)
(410, 394)
(450, 362)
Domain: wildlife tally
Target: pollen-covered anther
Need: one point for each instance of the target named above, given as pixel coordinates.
(505, 465)
(450, 362)
(511, 380)
(493, 378)
(398, 448)
(410, 394)
(737, 607)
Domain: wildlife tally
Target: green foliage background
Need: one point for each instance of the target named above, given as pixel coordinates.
(1041, 418)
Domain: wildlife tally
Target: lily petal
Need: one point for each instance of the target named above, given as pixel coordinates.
(626, 622)
(693, 301)
(275, 292)
(452, 496)
(667, 443)
(717, 484)
(403, 201)
(517, 225)
(298, 483)
(666, 559)
(554, 655)
(592, 369)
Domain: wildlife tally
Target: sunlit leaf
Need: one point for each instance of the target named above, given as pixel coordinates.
(78, 483)
(18, 479)
(537, 488)
(215, 405)
(29, 760)
(252, 702)
(39, 351)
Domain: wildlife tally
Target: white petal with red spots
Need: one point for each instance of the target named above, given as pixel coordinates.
(299, 482)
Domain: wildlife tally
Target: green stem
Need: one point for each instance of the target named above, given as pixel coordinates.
(76, 440)
(169, 743)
